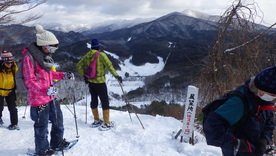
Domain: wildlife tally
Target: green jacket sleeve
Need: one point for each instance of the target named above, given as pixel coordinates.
(108, 64)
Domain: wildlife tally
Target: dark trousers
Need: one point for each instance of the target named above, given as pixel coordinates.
(98, 90)
(41, 118)
(10, 100)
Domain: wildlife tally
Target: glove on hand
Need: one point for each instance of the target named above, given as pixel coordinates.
(119, 78)
(85, 79)
(261, 147)
(68, 76)
(241, 146)
(52, 91)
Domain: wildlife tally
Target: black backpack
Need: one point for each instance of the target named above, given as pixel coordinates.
(212, 106)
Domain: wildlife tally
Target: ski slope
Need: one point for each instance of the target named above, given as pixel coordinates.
(127, 138)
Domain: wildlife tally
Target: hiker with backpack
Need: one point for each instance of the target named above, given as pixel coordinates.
(241, 131)
(38, 77)
(8, 70)
(97, 84)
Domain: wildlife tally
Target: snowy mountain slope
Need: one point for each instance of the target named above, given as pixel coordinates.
(136, 80)
(128, 138)
(201, 15)
(96, 27)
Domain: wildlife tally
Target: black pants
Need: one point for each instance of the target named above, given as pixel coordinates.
(98, 90)
(10, 100)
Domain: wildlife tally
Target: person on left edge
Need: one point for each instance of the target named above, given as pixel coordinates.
(38, 77)
(8, 69)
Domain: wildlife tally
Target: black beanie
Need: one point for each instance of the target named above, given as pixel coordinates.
(266, 80)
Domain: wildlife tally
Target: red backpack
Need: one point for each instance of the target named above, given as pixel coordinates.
(91, 70)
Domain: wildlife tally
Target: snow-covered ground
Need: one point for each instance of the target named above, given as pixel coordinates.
(127, 138)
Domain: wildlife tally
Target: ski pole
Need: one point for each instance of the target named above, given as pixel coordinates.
(125, 100)
(26, 102)
(127, 103)
(75, 116)
(25, 112)
(86, 108)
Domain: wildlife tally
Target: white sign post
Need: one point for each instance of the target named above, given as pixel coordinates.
(187, 132)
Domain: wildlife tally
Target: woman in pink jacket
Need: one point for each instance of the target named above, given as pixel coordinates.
(38, 77)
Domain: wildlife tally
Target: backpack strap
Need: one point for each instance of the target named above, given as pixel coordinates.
(32, 59)
(246, 109)
(97, 54)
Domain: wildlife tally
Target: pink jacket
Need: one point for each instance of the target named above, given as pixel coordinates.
(38, 81)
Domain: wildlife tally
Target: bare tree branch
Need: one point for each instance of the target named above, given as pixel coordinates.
(9, 8)
(247, 51)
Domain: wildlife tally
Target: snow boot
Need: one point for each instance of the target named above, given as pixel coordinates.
(49, 152)
(106, 116)
(96, 123)
(13, 127)
(95, 113)
(106, 126)
(63, 144)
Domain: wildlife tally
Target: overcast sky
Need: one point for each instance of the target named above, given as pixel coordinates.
(91, 12)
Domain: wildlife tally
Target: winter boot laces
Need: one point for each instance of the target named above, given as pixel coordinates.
(64, 144)
(97, 123)
(49, 152)
(106, 126)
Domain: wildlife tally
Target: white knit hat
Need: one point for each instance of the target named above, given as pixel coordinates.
(44, 37)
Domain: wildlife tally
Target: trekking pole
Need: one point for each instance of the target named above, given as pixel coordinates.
(26, 102)
(86, 108)
(75, 116)
(125, 100)
(25, 111)
(127, 103)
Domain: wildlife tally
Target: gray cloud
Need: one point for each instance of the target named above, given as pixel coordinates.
(95, 11)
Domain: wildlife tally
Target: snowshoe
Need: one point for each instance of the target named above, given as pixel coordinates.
(96, 123)
(66, 145)
(13, 127)
(106, 127)
(48, 152)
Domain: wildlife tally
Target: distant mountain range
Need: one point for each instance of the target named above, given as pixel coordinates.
(113, 25)
(182, 39)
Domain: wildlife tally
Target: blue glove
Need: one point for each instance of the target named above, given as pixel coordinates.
(119, 78)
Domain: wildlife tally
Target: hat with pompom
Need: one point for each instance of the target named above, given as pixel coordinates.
(44, 37)
(266, 80)
(95, 43)
(6, 56)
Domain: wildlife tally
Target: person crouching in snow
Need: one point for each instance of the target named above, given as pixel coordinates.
(8, 70)
(38, 77)
(250, 137)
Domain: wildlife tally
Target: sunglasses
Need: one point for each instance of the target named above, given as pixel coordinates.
(8, 63)
(51, 49)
